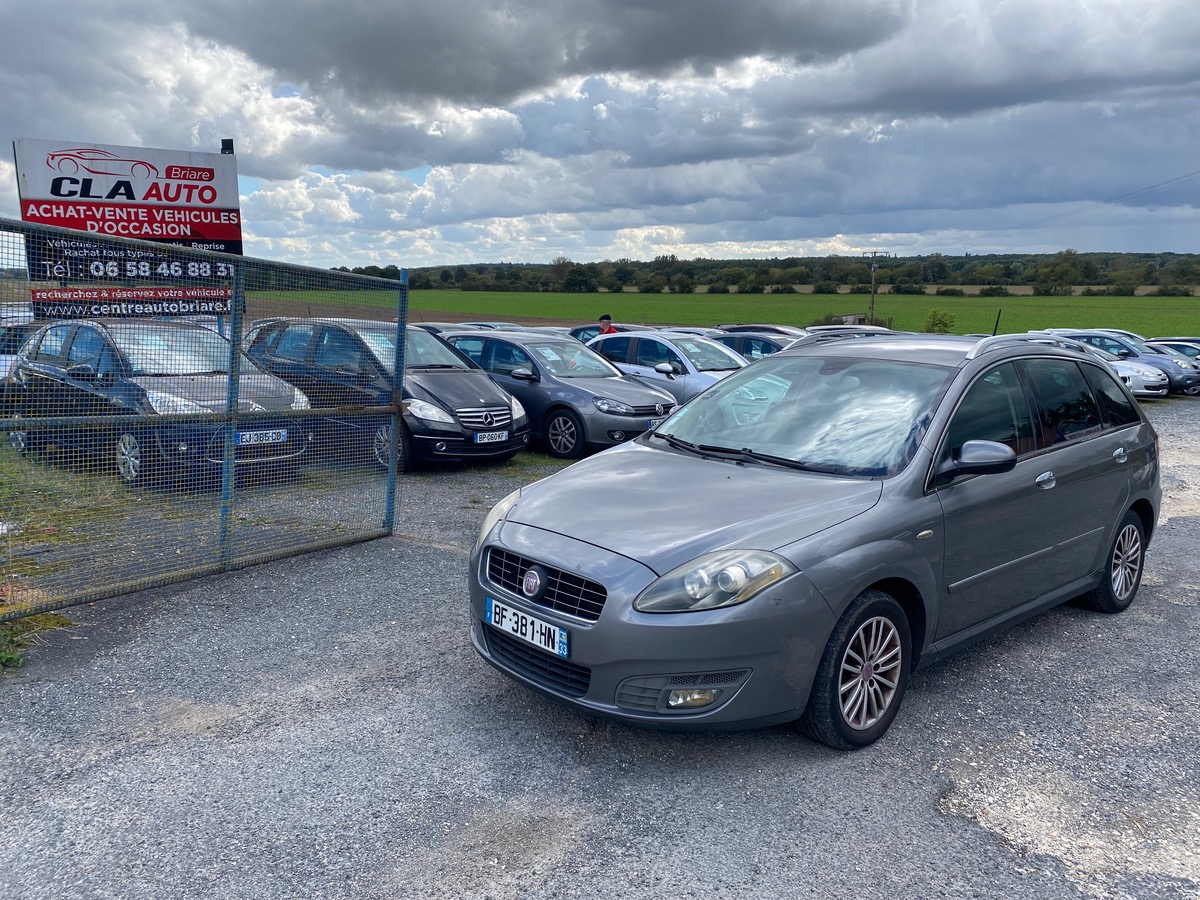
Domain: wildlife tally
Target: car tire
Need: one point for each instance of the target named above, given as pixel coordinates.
(381, 442)
(862, 676)
(134, 459)
(564, 435)
(1123, 568)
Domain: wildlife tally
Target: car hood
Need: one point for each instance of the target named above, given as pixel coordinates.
(454, 388)
(256, 390)
(664, 508)
(623, 389)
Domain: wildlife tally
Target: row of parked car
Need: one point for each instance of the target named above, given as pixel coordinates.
(477, 390)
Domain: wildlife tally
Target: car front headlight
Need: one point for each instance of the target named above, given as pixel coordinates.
(605, 405)
(498, 512)
(421, 409)
(723, 578)
(172, 404)
(518, 411)
(300, 400)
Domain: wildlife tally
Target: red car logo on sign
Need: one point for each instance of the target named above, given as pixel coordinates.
(98, 162)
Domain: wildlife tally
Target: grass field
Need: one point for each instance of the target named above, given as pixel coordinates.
(1144, 315)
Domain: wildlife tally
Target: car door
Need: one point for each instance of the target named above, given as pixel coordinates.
(342, 369)
(40, 374)
(85, 391)
(500, 359)
(997, 547)
(285, 354)
(648, 352)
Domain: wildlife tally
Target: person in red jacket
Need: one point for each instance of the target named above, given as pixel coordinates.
(606, 325)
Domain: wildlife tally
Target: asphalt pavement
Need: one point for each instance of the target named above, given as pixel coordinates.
(321, 727)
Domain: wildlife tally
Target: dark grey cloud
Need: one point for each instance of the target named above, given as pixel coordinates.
(462, 131)
(491, 54)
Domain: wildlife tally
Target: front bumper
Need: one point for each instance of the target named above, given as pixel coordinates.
(606, 430)
(761, 655)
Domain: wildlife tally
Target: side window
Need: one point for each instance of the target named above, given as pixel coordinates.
(1115, 405)
(614, 349)
(472, 348)
(51, 346)
(85, 348)
(506, 357)
(337, 350)
(293, 343)
(756, 348)
(1065, 408)
(993, 409)
(651, 352)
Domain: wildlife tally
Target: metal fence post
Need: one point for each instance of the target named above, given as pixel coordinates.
(228, 474)
(389, 513)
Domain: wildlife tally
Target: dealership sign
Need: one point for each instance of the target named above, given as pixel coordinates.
(175, 197)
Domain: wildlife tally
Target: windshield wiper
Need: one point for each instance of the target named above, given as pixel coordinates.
(677, 443)
(745, 454)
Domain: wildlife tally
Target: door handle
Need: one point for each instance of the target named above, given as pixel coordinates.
(1119, 455)
(1045, 480)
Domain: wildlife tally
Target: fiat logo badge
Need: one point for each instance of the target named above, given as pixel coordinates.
(531, 583)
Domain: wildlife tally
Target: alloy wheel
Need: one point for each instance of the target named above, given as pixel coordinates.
(870, 673)
(1126, 562)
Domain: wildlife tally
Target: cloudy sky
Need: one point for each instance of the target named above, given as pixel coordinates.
(457, 131)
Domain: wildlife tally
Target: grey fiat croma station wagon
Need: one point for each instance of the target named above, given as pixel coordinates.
(793, 542)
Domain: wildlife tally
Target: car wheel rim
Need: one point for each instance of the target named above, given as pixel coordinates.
(870, 673)
(381, 445)
(17, 440)
(129, 458)
(1126, 562)
(562, 435)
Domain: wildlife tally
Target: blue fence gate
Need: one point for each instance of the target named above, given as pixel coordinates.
(170, 413)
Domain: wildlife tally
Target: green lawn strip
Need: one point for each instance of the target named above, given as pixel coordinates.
(906, 312)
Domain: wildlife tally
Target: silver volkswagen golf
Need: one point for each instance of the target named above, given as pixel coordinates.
(795, 541)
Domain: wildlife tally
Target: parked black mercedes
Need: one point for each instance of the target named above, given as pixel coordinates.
(451, 409)
(143, 370)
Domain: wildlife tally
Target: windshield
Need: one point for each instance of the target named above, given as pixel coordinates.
(156, 350)
(706, 355)
(421, 349)
(837, 415)
(571, 359)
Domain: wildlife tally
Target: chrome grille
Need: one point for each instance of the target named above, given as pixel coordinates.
(484, 417)
(553, 672)
(565, 592)
(652, 411)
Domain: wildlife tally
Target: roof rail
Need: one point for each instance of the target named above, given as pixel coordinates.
(995, 341)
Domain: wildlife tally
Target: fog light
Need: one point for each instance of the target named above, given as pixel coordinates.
(440, 446)
(617, 435)
(183, 447)
(692, 698)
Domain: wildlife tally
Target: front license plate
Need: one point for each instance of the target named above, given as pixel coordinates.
(652, 424)
(491, 437)
(534, 631)
(275, 436)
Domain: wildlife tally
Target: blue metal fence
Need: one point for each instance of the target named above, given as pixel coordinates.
(145, 447)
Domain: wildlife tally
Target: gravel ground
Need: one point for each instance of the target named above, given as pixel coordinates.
(321, 727)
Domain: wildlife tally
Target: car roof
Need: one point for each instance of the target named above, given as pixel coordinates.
(935, 349)
(517, 336)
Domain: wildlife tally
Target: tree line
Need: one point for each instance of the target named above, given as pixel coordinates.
(1048, 274)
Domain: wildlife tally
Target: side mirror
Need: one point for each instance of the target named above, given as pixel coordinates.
(522, 373)
(666, 369)
(978, 458)
(82, 372)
